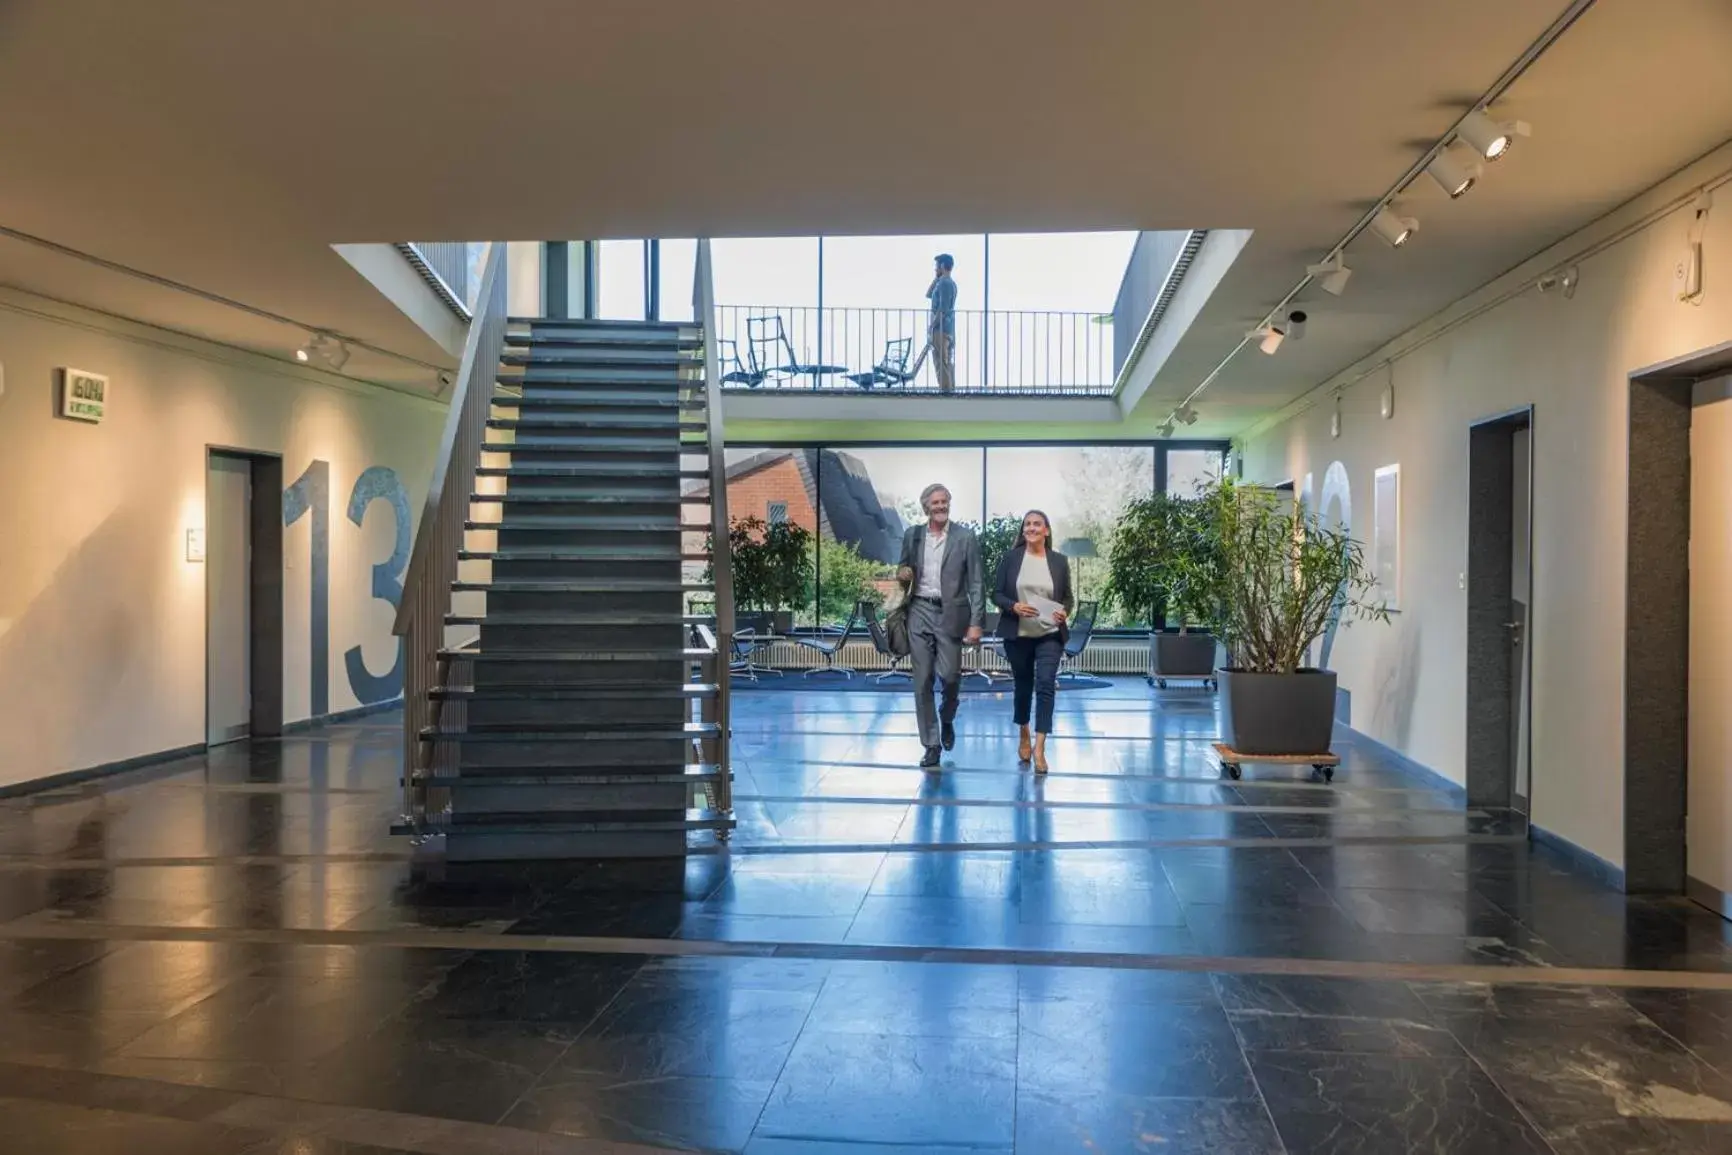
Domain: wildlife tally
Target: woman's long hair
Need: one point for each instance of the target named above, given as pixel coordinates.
(1041, 513)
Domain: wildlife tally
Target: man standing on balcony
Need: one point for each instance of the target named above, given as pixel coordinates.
(941, 325)
(947, 604)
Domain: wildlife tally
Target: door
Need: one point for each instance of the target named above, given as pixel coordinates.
(228, 599)
(1521, 593)
(1708, 809)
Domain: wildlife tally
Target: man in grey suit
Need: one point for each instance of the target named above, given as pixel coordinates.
(947, 605)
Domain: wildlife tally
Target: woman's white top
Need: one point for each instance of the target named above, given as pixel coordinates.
(1034, 581)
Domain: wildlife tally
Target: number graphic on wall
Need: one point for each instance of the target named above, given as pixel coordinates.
(381, 484)
(312, 491)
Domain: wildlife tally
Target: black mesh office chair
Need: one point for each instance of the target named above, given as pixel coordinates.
(734, 372)
(892, 368)
(881, 643)
(751, 635)
(1082, 627)
(767, 344)
(829, 648)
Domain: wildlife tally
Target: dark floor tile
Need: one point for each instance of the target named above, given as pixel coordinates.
(622, 915)
(918, 999)
(60, 1129)
(1304, 995)
(896, 1089)
(1336, 1035)
(1114, 987)
(769, 1146)
(1642, 1136)
(532, 987)
(1332, 1104)
(26, 962)
(985, 876)
(656, 1030)
(1575, 1076)
(1311, 932)
(1701, 1020)
(724, 973)
(469, 1071)
(1174, 1051)
(1100, 905)
(685, 1113)
(812, 897)
(1110, 1124)
(1465, 915)
(160, 978)
(280, 1019)
(68, 1039)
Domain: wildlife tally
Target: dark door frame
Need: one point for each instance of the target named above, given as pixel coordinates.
(1657, 619)
(265, 627)
(1491, 667)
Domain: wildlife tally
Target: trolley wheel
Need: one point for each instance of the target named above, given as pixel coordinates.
(1214, 684)
(1232, 770)
(1161, 682)
(1327, 773)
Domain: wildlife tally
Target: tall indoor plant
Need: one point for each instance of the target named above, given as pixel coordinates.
(771, 565)
(1284, 578)
(1165, 560)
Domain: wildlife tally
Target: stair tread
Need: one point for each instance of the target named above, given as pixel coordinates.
(559, 692)
(590, 423)
(580, 731)
(543, 497)
(626, 470)
(580, 553)
(559, 524)
(622, 776)
(583, 586)
(579, 401)
(516, 824)
(622, 445)
(600, 654)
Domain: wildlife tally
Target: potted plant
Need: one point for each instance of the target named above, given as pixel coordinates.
(1165, 559)
(1284, 577)
(997, 538)
(771, 566)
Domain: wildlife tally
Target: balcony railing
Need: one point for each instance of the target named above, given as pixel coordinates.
(453, 268)
(997, 352)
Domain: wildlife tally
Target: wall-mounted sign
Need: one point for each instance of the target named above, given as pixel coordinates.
(195, 545)
(83, 396)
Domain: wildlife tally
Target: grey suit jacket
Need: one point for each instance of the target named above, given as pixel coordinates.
(959, 579)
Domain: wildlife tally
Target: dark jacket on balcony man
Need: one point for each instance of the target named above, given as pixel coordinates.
(941, 326)
(940, 569)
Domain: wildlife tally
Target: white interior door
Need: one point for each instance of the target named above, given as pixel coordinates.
(1708, 825)
(228, 599)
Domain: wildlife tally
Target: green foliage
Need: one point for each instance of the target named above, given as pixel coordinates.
(997, 538)
(772, 564)
(1165, 555)
(843, 579)
(1283, 577)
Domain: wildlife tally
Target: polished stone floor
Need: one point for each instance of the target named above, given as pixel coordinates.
(230, 955)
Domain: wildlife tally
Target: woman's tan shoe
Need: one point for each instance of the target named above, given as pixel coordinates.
(1023, 749)
(1040, 753)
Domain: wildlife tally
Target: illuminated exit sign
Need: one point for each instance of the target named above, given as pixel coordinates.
(83, 396)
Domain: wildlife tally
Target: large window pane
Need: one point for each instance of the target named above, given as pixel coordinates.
(619, 280)
(875, 293)
(1190, 469)
(678, 259)
(1082, 489)
(767, 306)
(774, 485)
(1073, 272)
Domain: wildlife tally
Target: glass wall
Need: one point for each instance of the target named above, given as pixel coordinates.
(1189, 469)
(1082, 489)
(857, 500)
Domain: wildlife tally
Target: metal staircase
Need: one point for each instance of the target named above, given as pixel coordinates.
(563, 701)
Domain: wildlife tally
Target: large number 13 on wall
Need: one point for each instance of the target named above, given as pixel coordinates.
(311, 493)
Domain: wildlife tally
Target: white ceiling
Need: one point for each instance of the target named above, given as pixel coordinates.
(228, 145)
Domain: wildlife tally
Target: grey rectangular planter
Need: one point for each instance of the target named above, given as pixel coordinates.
(1278, 713)
(1181, 656)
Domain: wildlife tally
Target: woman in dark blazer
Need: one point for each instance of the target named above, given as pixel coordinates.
(1031, 577)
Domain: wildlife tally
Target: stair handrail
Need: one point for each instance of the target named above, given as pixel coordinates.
(721, 564)
(426, 600)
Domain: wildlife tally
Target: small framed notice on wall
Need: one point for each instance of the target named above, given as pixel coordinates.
(83, 396)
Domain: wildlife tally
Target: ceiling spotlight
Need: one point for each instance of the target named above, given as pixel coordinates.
(1185, 415)
(1451, 175)
(1394, 229)
(326, 348)
(1489, 138)
(1296, 324)
(336, 353)
(1165, 428)
(1331, 275)
(1268, 338)
(304, 354)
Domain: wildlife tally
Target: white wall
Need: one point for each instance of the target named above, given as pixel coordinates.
(1571, 359)
(102, 620)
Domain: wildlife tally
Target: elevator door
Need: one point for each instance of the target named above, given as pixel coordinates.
(228, 599)
(1708, 815)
